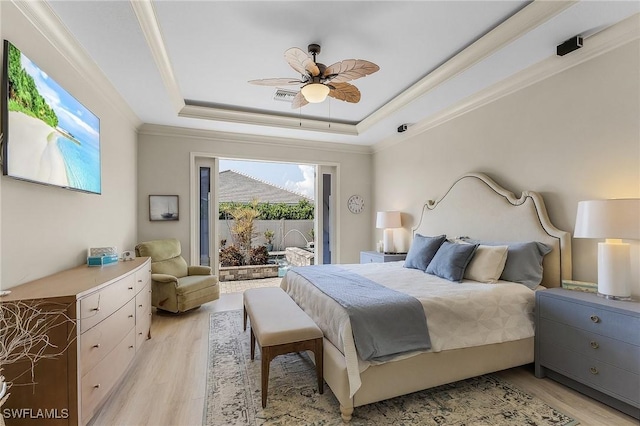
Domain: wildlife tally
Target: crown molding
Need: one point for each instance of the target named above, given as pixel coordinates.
(526, 19)
(249, 139)
(146, 15)
(263, 119)
(534, 14)
(44, 19)
(595, 45)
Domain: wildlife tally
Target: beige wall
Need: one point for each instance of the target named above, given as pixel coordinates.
(163, 168)
(574, 136)
(45, 229)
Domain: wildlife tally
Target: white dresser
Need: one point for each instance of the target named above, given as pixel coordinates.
(111, 308)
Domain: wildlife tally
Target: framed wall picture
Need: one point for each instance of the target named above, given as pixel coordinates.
(163, 207)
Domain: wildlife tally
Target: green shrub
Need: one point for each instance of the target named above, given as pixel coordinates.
(259, 256)
(267, 211)
(231, 256)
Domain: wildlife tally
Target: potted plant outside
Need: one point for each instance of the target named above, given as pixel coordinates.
(268, 235)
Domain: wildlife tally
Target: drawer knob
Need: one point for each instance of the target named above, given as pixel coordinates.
(594, 344)
(97, 345)
(130, 288)
(593, 370)
(595, 318)
(139, 334)
(130, 346)
(130, 316)
(139, 306)
(95, 309)
(139, 281)
(97, 386)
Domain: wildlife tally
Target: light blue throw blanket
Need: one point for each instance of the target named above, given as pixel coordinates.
(385, 322)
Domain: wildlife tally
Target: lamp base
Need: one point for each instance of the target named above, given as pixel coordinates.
(387, 241)
(614, 267)
(612, 297)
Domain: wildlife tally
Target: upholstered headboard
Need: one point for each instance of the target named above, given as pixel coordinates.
(477, 207)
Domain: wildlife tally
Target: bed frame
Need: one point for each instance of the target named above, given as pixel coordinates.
(477, 207)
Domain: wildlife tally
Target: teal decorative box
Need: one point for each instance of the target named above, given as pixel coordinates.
(106, 259)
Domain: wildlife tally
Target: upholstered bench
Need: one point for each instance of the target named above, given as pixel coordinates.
(280, 327)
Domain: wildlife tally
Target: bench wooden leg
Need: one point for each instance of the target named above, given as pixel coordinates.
(267, 355)
(244, 316)
(270, 352)
(318, 352)
(253, 344)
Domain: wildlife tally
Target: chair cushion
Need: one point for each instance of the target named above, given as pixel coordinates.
(195, 282)
(160, 249)
(165, 256)
(176, 266)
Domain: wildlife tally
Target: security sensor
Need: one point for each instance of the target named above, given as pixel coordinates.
(402, 128)
(568, 46)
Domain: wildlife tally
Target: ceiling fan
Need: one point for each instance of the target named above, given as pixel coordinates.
(318, 80)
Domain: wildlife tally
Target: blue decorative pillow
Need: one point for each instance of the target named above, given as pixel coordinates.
(422, 251)
(451, 260)
(524, 261)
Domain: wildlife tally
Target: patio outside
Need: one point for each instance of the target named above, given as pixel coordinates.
(240, 286)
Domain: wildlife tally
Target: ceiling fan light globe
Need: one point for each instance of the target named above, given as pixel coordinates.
(315, 92)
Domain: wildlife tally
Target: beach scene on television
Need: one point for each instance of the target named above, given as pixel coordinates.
(52, 138)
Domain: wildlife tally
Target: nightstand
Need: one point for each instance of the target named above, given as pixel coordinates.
(375, 257)
(590, 344)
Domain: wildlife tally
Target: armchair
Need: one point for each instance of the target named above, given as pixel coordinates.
(175, 286)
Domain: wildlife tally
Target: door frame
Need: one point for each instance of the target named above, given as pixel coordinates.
(197, 161)
(194, 206)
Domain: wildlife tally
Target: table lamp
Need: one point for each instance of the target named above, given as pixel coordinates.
(613, 220)
(388, 221)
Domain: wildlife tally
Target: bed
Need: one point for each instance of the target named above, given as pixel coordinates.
(474, 206)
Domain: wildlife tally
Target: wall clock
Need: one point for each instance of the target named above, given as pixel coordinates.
(355, 204)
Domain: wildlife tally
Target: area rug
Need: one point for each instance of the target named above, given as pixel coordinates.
(234, 397)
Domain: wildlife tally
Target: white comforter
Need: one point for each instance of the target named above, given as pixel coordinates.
(458, 314)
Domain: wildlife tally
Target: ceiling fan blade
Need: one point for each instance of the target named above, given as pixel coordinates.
(350, 69)
(276, 82)
(301, 62)
(345, 92)
(298, 101)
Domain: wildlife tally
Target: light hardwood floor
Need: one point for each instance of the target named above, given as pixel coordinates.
(166, 383)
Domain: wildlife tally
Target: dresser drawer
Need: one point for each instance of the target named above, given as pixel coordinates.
(143, 277)
(142, 329)
(143, 315)
(97, 383)
(99, 305)
(601, 321)
(606, 378)
(596, 346)
(100, 340)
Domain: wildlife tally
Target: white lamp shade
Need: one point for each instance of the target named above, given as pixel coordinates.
(613, 220)
(388, 220)
(619, 218)
(315, 92)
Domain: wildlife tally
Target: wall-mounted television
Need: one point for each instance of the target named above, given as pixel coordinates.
(48, 136)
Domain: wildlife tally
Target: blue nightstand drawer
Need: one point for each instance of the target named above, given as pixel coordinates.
(623, 355)
(594, 319)
(604, 377)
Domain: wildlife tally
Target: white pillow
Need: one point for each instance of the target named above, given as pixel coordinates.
(487, 264)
